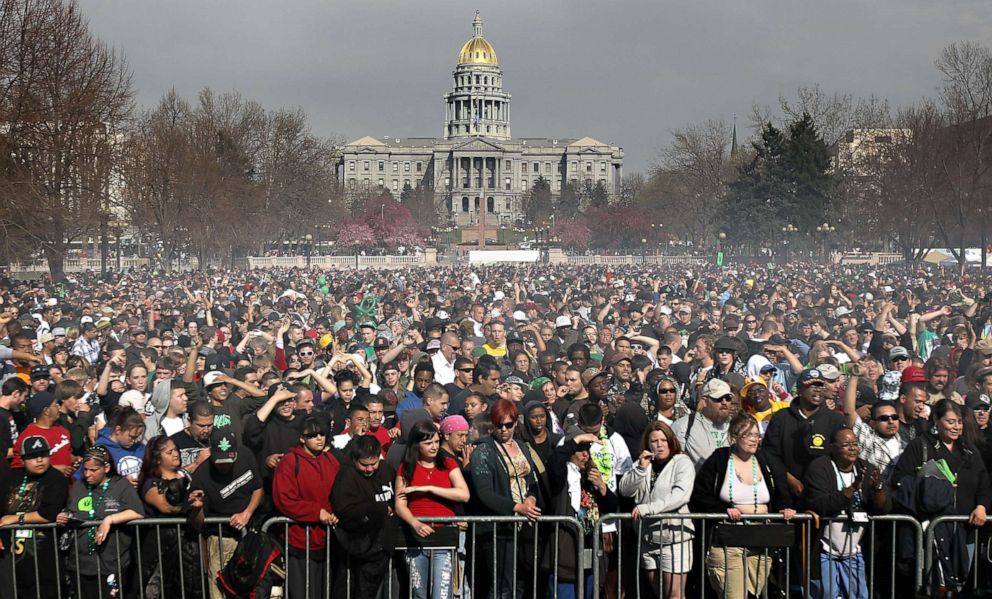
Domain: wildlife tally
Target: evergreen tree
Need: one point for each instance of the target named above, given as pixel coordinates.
(751, 210)
(537, 203)
(598, 196)
(806, 160)
(568, 201)
(788, 182)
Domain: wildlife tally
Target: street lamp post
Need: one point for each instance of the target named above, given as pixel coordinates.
(825, 229)
(788, 230)
(307, 248)
(644, 249)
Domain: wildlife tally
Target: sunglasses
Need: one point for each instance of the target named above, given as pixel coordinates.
(980, 409)
(889, 418)
(666, 390)
(900, 359)
(724, 399)
(505, 425)
(313, 435)
(305, 353)
(454, 347)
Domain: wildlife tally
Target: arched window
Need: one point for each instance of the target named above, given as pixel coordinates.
(465, 204)
(490, 205)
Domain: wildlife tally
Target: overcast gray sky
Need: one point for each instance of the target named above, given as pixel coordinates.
(622, 71)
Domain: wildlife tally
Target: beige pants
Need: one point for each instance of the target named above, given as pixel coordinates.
(732, 577)
(217, 556)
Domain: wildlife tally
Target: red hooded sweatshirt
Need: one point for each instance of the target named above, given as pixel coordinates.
(301, 487)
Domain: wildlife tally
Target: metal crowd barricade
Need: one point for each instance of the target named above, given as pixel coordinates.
(505, 529)
(70, 575)
(705, 523)
(931, 548)
(699, 542)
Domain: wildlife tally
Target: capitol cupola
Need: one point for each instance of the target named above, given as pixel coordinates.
(477, 104)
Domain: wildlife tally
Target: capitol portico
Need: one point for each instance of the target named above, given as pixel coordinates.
(477, 164)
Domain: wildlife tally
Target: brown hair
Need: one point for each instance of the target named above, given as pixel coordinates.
(741, 423)
(673, 442)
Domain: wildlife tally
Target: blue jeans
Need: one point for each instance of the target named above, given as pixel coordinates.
(840, 577)
(568, 590)
(430, 572)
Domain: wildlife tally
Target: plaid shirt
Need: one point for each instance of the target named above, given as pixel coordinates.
(874, 449)
(87, 349)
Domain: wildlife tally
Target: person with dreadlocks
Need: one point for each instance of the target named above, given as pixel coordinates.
(103, 551)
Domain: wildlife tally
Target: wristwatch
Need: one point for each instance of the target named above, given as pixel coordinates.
(20, 517)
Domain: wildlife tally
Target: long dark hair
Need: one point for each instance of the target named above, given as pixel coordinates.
(969, 426)
(152, 463)
(422, 431)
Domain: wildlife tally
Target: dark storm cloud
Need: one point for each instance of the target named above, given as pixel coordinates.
(622, 71)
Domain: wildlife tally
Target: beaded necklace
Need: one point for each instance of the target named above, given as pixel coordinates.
(22, 498)
(754, 478)
(91, 509)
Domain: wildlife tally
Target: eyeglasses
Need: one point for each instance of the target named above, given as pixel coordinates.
(454, 347)
(890, 418)
(666, 390)
(980, 409)
(900, 359)
(750, 321)
(314, 435)
(724, 399)
(505, 425)
(305, 353)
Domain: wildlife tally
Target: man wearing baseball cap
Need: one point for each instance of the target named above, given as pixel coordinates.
(229, 487)
(34, 494)
(45, 412)
(705, 430)
(798, 435)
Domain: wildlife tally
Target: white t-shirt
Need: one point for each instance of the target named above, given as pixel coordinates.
(844, 538)
(171, 426)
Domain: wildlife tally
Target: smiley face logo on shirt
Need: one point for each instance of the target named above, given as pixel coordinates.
(818, 441)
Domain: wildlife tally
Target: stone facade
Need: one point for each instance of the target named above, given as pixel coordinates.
(476, 164)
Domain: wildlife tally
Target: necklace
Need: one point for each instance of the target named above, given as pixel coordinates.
(91, 509)
(22, 498)
(754, 478)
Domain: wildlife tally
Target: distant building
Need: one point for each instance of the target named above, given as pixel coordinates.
(476, 164)
(862, 149)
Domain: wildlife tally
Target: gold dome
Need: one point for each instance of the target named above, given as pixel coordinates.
(477, 50)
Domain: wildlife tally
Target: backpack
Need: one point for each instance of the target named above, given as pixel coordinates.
(255, 556)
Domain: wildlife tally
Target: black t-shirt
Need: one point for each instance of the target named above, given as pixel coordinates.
(8, 431)
(45, 494)
(189, 448)
(226, 494)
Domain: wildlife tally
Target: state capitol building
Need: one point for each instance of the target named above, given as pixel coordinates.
(477, 164)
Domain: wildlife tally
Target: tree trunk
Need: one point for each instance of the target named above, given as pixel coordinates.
(56, 263)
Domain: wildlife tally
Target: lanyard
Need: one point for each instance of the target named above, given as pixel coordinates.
(856, 499)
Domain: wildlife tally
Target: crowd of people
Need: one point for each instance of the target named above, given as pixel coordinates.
(366, 405)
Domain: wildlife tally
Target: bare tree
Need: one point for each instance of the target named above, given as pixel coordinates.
(64, 96)
(691, 180)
